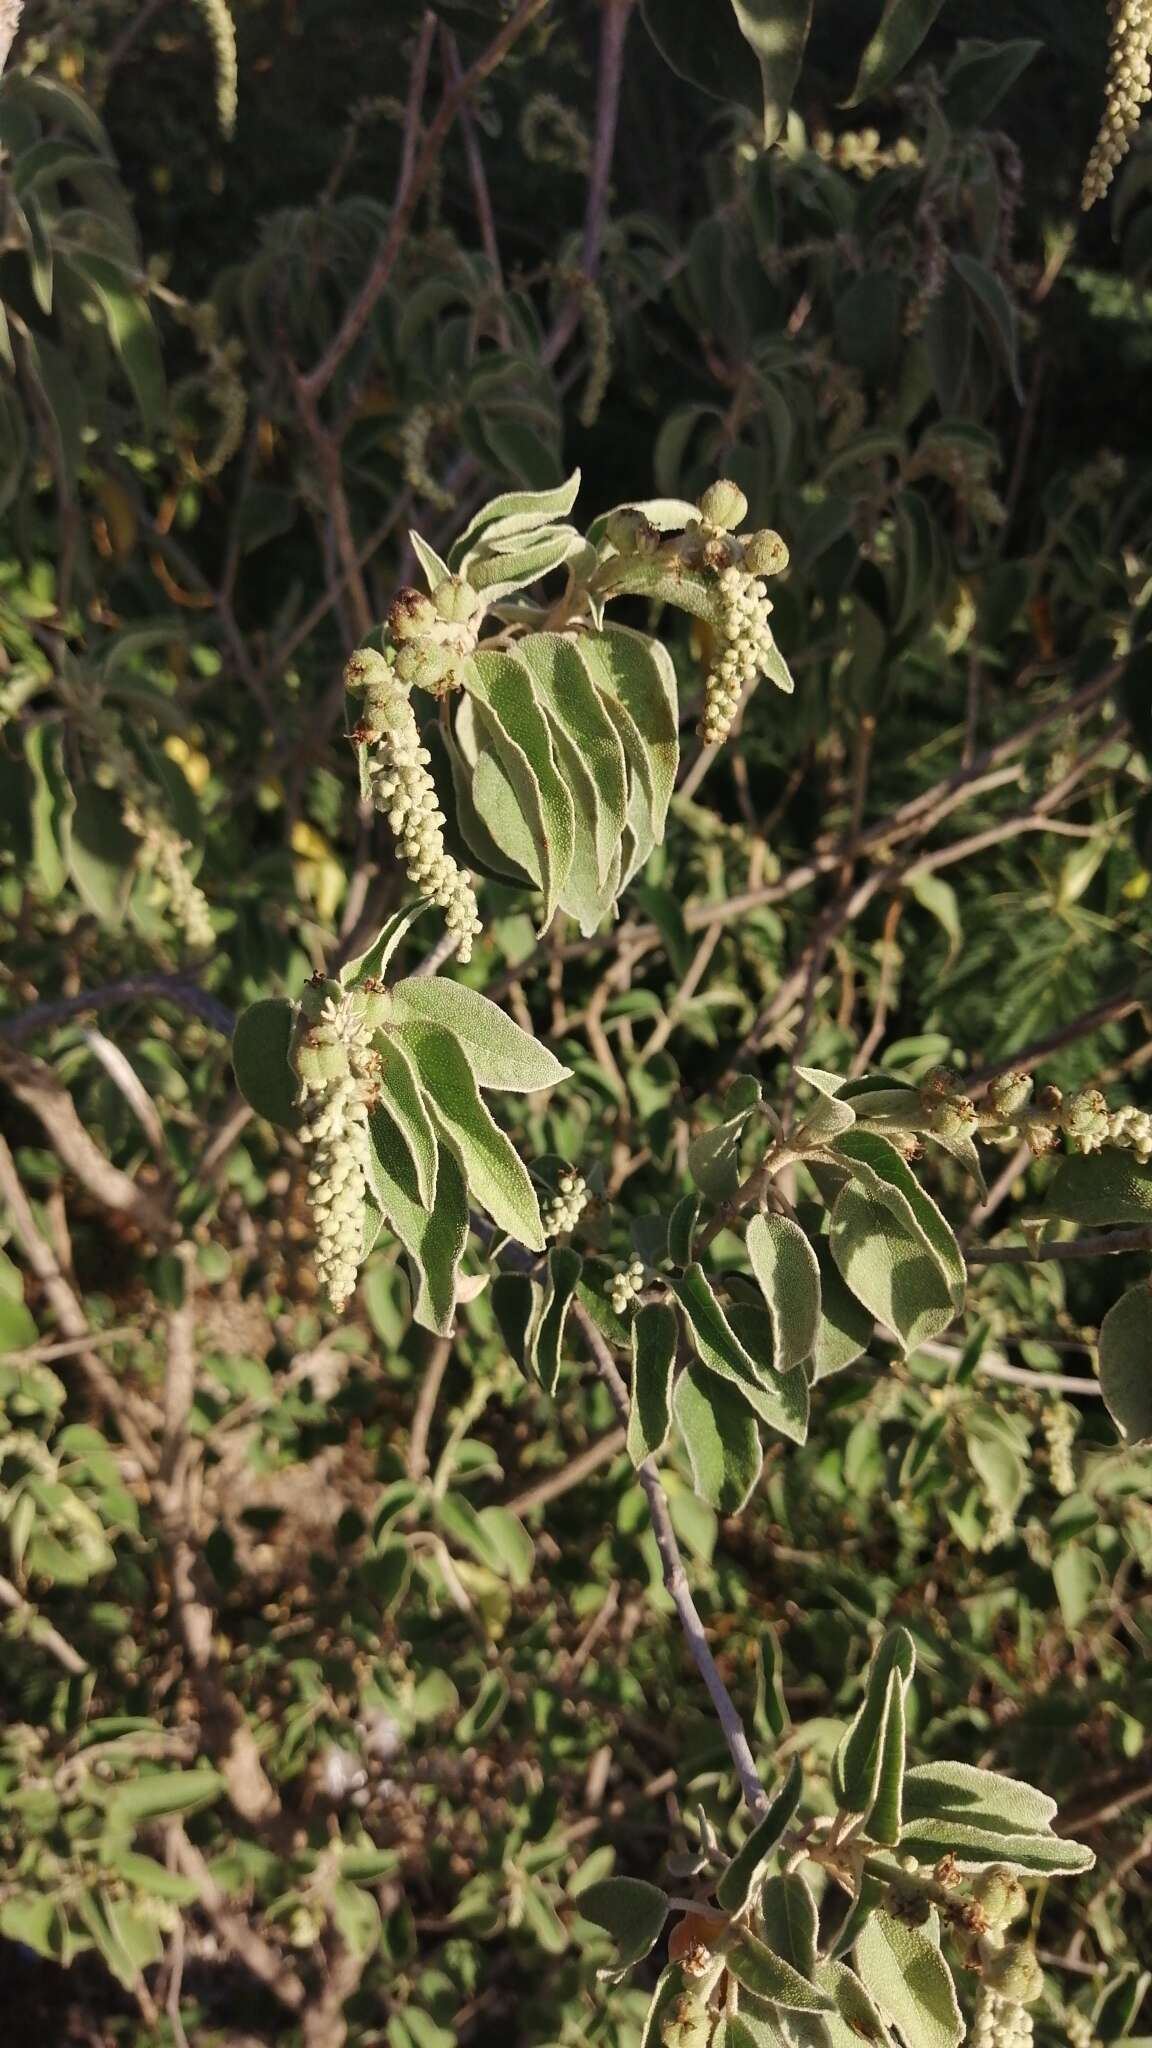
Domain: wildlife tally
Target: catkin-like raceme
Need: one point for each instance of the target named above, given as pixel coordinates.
(1126, 94)
(403, 790)
(337, 1071)
(222, 36)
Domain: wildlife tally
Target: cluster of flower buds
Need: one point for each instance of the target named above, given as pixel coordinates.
(162, 849)
(740, 563)
(625, 1285)
(1059, 1422)
(1013, 1110)
(403, 790)
(1128, 90)
(337, 1069)
(860, 150)
(435, 635)
(567, 1205)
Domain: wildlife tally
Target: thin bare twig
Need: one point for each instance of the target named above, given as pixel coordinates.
(438, 1358)
(573, 1474)
(316, 381)
(171, 988)
(676, 1578)
(41, 1631)
(37, 1087)
(1071, 1248)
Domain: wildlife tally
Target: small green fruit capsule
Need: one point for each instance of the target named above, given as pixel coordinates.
(1015, 1974)
(724, 504)
(630, 533)
(1010, 1094)
(456, 601)
(423, 663)
(765, 553)
(411, 615)
(372, 1004)
(365, 670)
(1001, 1896)
(317, 992)
(320, 1063)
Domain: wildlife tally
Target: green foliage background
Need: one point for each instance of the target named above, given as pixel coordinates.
(324, 1702)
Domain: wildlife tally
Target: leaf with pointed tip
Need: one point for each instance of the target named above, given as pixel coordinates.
(721, 1351)
(903, 27)
(489, 813)
(714, 1157)
(371, 964)
(436, 570)
(742, 1880)
(719, 1433)
(500, 1054)
(788, 1275)
(515, 512)
(506, 710)
(654, 1331)
(637, 685)
(434, 1239)
(975, 1848)
(857, 2017)
(564, 1269)
(261, 1059)
(498, 572)
(904, 1972)
(1126, 1363)
(856, 1767)
(494, 1171)
(758, 1969)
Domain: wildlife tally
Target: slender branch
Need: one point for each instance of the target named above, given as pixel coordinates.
(1111, 1011)
(676, 1578)
(317, 380)
(1072, 1248)
(438, 1358)
(477, 175)
(173, 988)
(236, 1932)
(58, 1288)
(413, 105)
(612, 37)
(41, 1631)
(36, 1086)
(574, 1473)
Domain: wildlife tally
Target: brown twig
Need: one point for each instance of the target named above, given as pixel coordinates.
(439, 1356)
(41, 1631)
(573, 1474)
(36, 1086)
(316, 381)
(1138, 1240)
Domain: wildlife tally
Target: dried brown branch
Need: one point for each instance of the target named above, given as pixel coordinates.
(1070, 1248)
(316, 382)
(38, 1630)
(574, 1473)
(36, 1086)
